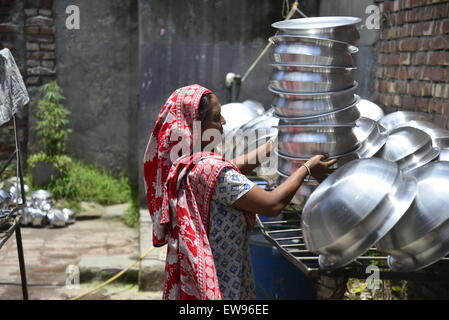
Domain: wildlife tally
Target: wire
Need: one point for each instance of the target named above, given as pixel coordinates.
(114, 277)
(253, 65)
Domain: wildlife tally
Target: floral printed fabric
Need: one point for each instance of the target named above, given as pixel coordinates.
(229, 237)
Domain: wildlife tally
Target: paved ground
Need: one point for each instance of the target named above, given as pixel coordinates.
(48, 253)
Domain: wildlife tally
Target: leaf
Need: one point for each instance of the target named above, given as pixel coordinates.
(360, 288)
(396, 289)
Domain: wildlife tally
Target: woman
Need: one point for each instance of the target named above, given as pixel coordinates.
(202, 205)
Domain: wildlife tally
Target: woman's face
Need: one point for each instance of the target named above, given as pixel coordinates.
(214, 121)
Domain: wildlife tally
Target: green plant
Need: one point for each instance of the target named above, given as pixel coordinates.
(131, 216)
(88, 183)
(52, 134)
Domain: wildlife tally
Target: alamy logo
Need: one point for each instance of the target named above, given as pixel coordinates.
(73, 277)
(373, 20)
(373, 281)
(73, 20)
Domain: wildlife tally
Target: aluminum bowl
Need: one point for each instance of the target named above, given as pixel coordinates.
(421, 237)
(409, 147)
(395, 119)
(301, 78)
(237, 114)
(370, 110)
(337, 28)
(70, 215)
(305, 141)
(347, 115)
(250, 135)
(354, 208)
(440, 136)
(38, 217)
(293, 104)
(371, 136)
(57, 218)
(5, 199)
(312, 51)
(444, 154)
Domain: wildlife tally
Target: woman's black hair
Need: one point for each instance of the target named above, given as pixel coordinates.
(204, 108)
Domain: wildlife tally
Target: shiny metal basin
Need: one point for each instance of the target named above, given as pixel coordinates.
(253, 134)
(337, 28)
(444, 154)
(371, 136)
(305, 141)
(354, 208)
(312, 51)
(301, 78)
(347, 115)
(409, 147)
(5, 199)
(237, 114)
(421, 237)
(292, 104)
(440, 136)
(370, 110)
(395, 119)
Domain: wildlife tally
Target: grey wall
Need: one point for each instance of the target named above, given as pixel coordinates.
(97, 69)
(366, 57)
(200, 41)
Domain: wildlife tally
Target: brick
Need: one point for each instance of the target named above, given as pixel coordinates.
(48, 64)
(425, 13)
(33, 63)
(32, 30)
(411, 16)
(33, 80)
(47, 30)
(405, 58)
(47, 46)
(40, 71)
(45, 12)
(441, 90)
(8, 28)
(30, 12)
(40, 21)
(409, 44)
(32, 46)
(433, 74)
(444, 27)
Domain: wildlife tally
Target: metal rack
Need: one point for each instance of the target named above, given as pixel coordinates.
(287, 237)
(10, 223)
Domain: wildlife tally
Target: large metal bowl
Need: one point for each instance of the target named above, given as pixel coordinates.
(444, 154)
(293, 104)
(409, 147)
(252, 134)
(347, 115)
(337, 28)
(421, 237)
(354, 208)
(237, 114)
(312, 51)
(371, 136)
(301, 78)
(395, 119)
(5, 199)
(370, 110)
(440, 136)
(305, 141)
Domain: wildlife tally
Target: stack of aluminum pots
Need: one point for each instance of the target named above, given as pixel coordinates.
(314, 89)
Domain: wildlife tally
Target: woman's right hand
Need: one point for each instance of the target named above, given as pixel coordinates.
(320, 168)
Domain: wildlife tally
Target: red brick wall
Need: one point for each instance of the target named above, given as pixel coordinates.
(413, 57)
(28, 25)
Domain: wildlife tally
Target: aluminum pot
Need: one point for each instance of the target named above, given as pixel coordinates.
(354, 208)
(444, 154)
(347, 115)
(371, 136)
(57, 218)
(70, 214)
(440, 136)
(395, 119)
(301, 78)
(337, 28)
(410, 148)
(237, 114)
(5, 199)
(293, 104)
(421, 237)
(370, 110)
(38, 217)
(305, 141)
(312, 51)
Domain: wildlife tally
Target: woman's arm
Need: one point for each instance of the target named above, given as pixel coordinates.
(250, 161)
(272, 203)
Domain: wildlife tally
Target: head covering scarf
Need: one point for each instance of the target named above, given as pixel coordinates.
(179, 196)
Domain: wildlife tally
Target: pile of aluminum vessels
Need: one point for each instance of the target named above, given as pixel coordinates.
(40, 211)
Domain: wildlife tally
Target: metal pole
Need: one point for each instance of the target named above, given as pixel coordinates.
(18, 231)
